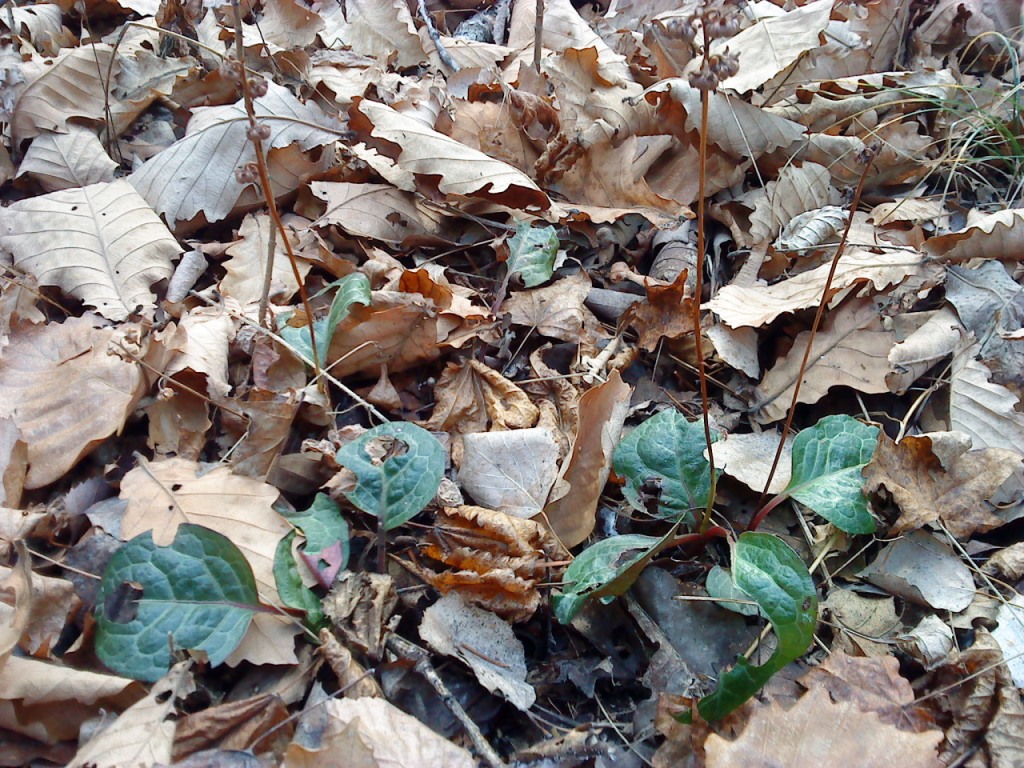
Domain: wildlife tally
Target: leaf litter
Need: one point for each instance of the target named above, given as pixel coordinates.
(351, 396)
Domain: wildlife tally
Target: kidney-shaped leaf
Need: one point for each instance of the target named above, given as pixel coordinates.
(398, 468)
(101, 243)
(671, 449)
(827, 463)
(773, 575)
(196, 594)
(531, 253)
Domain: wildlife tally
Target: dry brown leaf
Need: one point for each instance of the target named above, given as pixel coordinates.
(850, 349)
(926, 492)
(162, 495)
(13, 463)
(248, 263)
(984, 410)
(936, 335)
(102, 244)
(483, 642)
(373, 28)
(511, 471)
(818, 731)
(798, 189)
(863, 625)
(52, 604)
(758, 305)
(233, 725)
(353, 680)
(371, 733)
(67, 160)
(486, 126)
(749, 458)
(472, 397)
(144, 733)
(208, 331)
(602, 412)
(458, 170)
(667, 313)
(498, 561)
(992, 236)
(67, 389)
(359, 606)
(16, 601)
(555, 310)
(197, 174)
(378, 211)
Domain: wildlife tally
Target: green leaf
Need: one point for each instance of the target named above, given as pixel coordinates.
(669, 447)
(531, 253)
(196, 594)
(398, 468)
(352, 289)
(294, 593)
(600, 570)
(774, 576)
(720, 585)
(827, 463)
(327, 538)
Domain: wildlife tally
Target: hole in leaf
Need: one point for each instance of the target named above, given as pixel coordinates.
(122, 605)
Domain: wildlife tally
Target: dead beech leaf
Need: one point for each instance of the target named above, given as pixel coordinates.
(67, 390)
(498, 561)
(758, 305)
(378, 211)
(555, 310)
(748, 458)
(248, 264)
(162, 495)
(459, 170)
(359, 606)
(850, 349)
(373, 28)
(993, 236)
(926, 492)
(469, 396)
(667, 313)
(984, 410)
(68, 160)
(603, 411)
(233, 725)
(933, 339)
(144, 733)
(101, 243)
(197, 174)
(482, 641)
(205, 351)
(372, 733)
(819, 731)
(862, 625)
(511, 471)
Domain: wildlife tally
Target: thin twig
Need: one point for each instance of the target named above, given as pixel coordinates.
(538, 34)
(435, 36)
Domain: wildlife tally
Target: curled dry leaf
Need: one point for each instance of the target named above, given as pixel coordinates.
(471, 397)
(497, 561)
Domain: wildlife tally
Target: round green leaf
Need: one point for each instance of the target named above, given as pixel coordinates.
(398, 468)
(669, 447)
(773, 575)
(827, 463)
(531, 253)
(196, 594)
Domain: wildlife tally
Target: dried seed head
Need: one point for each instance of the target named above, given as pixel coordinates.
(257, 86)
(724, 64)
(681, 28)
(704, 80)
(247, 174)
(720, 24)
(232, 69)
(258, 132)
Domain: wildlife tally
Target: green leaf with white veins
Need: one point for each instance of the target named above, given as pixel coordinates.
(196, 594)
(670, 448)
(827, 463)
(397, 468)
(531, 253)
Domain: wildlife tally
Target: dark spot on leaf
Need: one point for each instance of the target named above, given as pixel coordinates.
(176, 487)
(122, 605)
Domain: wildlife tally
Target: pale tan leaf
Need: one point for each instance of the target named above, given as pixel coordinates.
(197, 174)
(796, 191)
(485, 643)
(43, 22)
(935, 338)
(993, 236)
(371, 733)
(68, 390)
(65, 160)
(819, 731)
(16, 601)
(208, 331)
(48, 607)
(13, 463)
(984, 410)
(289, 24)
(459, 169)
(748, 458)
(102, 244)
(555, 310)
(374, 28)
(774, 43)
(270, 639)
(602, 412)
(510, 471)
(162, 495)
(144, 733)
(758, 305)
(248, 263)
(378, 211)
(851, 349)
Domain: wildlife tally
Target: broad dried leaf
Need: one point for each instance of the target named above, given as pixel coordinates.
(207, 332)
(458, 169)
(819, 731)
(555, 310)
(378, 211)
(162, 495)
(925, 491)
(102, 244)
(850, 349)
(68, 389)
(993, 236)
(373, 28)
(510, 471)
(758, 305)
(248, 263)
(923, 570)
(67, 160)
(197, 174)
(984, 410)
(473, 397)
(748, 458)
(798, 190)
